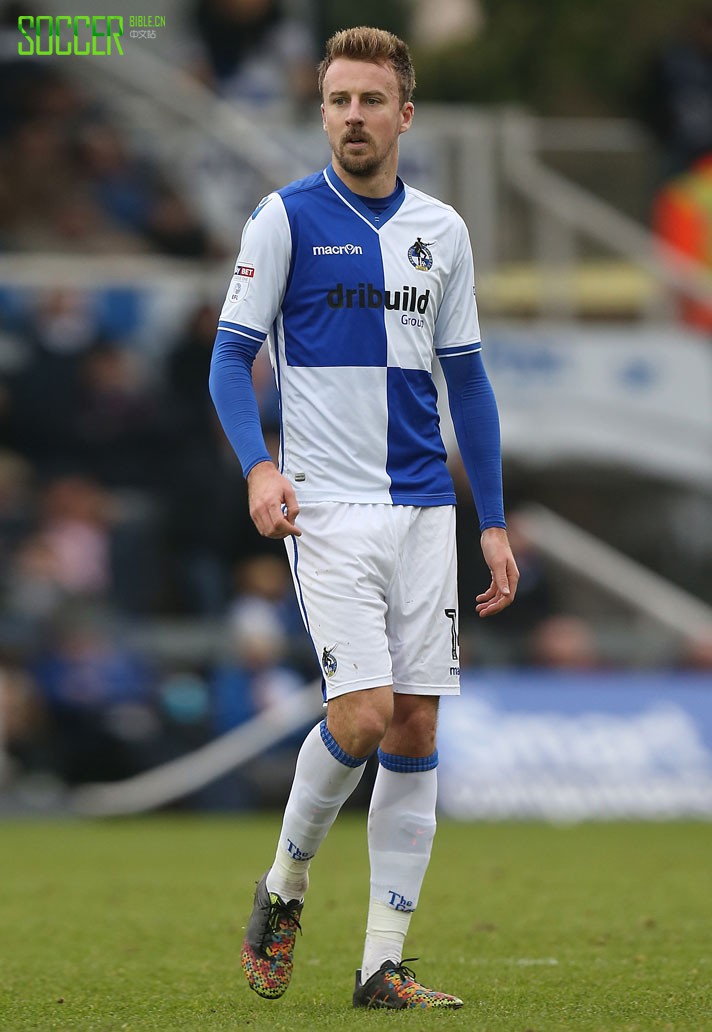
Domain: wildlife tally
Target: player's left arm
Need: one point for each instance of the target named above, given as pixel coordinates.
(476, 421)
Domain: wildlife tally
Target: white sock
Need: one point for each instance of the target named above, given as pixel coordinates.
(401, 827)
(385, 934)
(324, 779)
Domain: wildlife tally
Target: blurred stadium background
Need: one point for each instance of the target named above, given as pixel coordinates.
(149, 643)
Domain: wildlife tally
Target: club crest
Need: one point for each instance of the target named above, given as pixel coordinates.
(420, 256)
(328, 661)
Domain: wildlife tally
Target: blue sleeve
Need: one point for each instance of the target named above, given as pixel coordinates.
(234, 398)
(474, 415)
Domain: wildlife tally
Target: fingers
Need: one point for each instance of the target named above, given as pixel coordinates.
(275, 526)
(502, 590)
(276, 520)
(290, 507)
(488, 595)
(273, 505)
(289, 510)
(492, 601)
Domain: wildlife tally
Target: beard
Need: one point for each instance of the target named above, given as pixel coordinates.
(358, 164)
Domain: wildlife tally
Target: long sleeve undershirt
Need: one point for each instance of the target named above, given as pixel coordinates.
(472, 405)
(473, 408)
(235, 400)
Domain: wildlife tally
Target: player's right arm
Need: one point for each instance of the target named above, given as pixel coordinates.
(273, 503)
(253, 300)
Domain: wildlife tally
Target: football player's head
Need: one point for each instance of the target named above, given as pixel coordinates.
(367, 44)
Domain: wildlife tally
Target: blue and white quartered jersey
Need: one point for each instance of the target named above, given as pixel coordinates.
(354, 306)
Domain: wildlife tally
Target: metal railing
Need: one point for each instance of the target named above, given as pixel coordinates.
(566, 211)
(473, 156)
(642, 590)
(560, 541)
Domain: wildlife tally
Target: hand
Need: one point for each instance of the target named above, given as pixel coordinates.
(505, 575)
(273, 503)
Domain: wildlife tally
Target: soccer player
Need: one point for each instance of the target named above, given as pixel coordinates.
(357, 281)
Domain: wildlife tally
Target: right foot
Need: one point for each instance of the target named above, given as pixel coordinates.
(267, 954)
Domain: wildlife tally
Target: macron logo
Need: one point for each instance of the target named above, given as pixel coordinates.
(337, 249)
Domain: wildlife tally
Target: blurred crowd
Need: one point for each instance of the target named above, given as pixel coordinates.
(121, 504)
(70, 183)
(122, 511)
(676, 105)
(122, 507)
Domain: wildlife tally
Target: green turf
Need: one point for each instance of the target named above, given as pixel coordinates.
(136, 925)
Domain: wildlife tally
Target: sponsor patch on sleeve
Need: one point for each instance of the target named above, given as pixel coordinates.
(241, 280)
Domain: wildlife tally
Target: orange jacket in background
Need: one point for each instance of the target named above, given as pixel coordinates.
(682, 218)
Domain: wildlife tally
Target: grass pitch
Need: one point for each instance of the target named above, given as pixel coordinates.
(136, 925)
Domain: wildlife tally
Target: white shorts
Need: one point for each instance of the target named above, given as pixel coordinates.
(377, 587)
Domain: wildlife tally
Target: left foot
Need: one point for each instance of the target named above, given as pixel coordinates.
(394, 987)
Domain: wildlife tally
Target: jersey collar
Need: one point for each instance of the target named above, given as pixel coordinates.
(356, 203)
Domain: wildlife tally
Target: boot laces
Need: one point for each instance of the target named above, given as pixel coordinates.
(279, 911)
(404, 971)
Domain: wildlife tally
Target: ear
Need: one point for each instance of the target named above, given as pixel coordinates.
(407, 112)
(323, 118)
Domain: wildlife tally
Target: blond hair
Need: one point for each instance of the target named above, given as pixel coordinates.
(367, 44)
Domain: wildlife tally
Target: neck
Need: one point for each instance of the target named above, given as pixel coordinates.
(379, 184)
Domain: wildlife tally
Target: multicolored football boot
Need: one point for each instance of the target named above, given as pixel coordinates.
(394, 987)
(267, 954)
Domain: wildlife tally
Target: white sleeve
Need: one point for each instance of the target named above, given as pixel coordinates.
(457, 328)
(257, 287)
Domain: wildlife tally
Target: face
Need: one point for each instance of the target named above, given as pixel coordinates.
(363, 117)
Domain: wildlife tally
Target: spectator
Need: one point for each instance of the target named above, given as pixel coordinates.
(124, 187)
(253, 677)
(16, 500)
(88, 543)
(43, 394)
(210, 529)
(33, 593)
(99, 697)
(676, 101)
(70, 181)
(175, 230)
(682, 220)
(267, 577)
(535, 593)
(187, 371)
(35, 179)
(564, 643)
(65, 557)
(22, 723)
(124, 431)
(254, 52)
(75, 527)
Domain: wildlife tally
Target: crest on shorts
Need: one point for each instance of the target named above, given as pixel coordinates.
(420, 256)
(328, 662)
